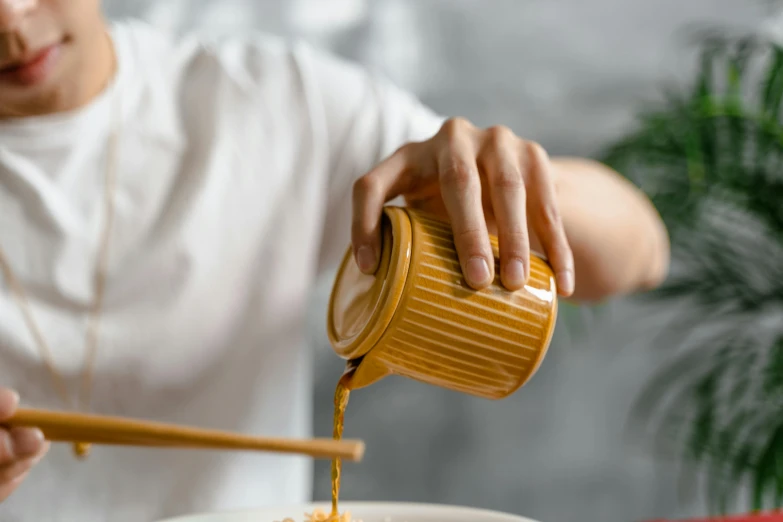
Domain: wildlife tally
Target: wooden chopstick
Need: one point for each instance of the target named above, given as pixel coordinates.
(98, 429)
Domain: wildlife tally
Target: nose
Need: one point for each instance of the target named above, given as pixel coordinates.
(13, 11)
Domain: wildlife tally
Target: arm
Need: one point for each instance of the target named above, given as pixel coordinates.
(619, 242)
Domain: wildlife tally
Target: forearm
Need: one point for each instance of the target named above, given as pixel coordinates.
(619, 242)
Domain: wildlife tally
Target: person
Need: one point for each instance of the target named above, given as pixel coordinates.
(167, 205)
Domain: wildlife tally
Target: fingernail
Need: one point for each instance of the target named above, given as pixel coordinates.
(26, 441)
(514, 275)
(365, 257)
(477, 270)
(565, 280)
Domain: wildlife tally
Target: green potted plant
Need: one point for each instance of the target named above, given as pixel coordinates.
(711, 158)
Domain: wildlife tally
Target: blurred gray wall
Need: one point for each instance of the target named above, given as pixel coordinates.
(570, 74)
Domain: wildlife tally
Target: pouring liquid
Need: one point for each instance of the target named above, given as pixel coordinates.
(341, 395)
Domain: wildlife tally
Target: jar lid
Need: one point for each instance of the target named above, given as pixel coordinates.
(362, 306)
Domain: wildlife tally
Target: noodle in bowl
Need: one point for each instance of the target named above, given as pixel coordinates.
(361, 512)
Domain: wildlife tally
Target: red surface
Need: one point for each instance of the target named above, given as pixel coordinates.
(761, 517)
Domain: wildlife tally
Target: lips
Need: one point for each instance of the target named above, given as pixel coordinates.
(32, 70)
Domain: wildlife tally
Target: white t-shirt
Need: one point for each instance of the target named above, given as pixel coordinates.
(236, 161)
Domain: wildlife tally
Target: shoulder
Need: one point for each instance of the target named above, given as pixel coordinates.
(245, 62)
(253, 65)
(253, 68)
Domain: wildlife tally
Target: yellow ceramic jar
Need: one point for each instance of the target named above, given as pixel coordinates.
(417, 317)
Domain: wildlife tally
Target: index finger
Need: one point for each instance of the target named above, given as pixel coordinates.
(370, 194)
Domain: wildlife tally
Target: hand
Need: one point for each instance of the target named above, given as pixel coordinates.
(20, 448)
(483, 181)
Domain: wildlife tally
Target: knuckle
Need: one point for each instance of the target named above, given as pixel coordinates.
(514, 243)
(470, 240)
(514, 236)
(500, 134)
(508, 179)
(456, 174)
(456, 125)
(534, 157)
(364, 186)
(535, 150)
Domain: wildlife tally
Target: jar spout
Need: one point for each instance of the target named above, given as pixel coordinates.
(363, 371)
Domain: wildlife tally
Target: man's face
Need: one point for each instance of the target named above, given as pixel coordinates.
(47, 50)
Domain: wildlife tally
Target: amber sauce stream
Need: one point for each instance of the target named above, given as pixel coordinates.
(341, 395)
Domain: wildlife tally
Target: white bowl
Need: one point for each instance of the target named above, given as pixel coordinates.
(364, 511)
